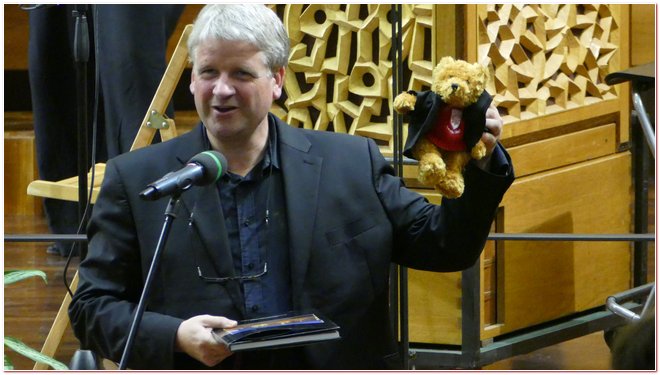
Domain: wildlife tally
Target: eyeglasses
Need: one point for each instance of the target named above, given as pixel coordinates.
(232, 278)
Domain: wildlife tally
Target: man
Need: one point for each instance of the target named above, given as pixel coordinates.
(304, 220)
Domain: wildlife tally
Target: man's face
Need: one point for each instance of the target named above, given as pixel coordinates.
(233, 89)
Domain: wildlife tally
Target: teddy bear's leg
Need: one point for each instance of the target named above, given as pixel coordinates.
(478, 151)
(431, 166)
(452, 185)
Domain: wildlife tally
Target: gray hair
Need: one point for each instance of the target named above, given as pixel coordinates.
(252, 23)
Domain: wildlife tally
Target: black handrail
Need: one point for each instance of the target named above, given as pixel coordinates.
(627, 237)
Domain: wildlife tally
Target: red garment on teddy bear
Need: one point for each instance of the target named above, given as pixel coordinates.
(448, 131)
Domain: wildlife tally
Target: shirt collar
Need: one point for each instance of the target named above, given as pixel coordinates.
(271, 155)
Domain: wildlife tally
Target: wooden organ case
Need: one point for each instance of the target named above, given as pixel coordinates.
(566, 130)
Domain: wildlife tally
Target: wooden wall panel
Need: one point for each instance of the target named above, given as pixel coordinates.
(547, 280)
(16, 37)
(20, 166)
(550, 58)
(642, 33)
(434, 307)
(551, 153)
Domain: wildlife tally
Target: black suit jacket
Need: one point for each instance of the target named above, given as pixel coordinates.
(348, 218)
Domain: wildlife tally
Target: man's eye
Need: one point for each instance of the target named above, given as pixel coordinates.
(244, 75)
(206, 72)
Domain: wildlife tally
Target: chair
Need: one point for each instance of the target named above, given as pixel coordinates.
(67, 189)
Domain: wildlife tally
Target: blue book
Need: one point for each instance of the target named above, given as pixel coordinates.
(279, 331)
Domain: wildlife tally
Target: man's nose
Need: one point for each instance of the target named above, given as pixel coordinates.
(223, 86)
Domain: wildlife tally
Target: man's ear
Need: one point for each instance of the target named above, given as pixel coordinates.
(278, 84)
(192, 81)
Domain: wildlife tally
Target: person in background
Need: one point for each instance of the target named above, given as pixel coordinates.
(132, 43)
(302, 221)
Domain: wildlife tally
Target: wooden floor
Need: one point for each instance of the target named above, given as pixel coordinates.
(31, 306)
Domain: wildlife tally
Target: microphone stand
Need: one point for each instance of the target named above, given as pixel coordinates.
(170, 215)
(81, 58)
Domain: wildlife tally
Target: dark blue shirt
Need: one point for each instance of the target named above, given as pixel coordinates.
(258, 240)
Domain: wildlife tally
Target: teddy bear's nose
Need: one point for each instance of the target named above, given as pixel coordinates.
(454, 86)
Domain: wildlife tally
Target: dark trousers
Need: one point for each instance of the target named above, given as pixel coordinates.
(130, 46)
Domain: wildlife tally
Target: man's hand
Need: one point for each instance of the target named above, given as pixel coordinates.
(491, 135)
(194, 338)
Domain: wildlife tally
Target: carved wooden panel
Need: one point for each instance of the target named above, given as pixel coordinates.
(543, 59)
(548, 58)
(340, 74)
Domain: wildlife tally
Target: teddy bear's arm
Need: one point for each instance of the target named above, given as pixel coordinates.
(405, 102)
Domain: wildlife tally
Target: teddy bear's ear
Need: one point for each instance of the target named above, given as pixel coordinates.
(482, 70)
(446, 60)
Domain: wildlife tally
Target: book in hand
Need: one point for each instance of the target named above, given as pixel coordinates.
(279, 331)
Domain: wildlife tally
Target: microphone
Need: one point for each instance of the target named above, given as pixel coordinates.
(204, 168)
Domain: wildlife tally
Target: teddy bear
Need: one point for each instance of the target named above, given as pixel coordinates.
(446, 124)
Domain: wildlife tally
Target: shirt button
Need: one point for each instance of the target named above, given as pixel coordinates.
(255, 308)
(246, 222)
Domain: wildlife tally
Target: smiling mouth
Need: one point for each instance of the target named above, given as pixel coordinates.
(223, 108)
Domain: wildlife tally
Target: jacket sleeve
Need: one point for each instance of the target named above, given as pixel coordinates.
(446, 237)
(104, 304)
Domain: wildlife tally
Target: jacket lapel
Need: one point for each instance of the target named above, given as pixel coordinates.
(301, 173)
